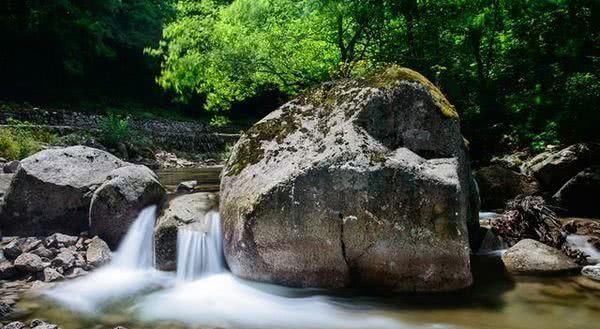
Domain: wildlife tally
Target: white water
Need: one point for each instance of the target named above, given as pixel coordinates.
(581, 242)
(204, 293)
(200, 252)
(130, 272)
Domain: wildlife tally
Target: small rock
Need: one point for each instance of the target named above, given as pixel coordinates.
(29, 262)
(533, 257)
(44, 252)
(51, 275)
(15, 325)
(65, 259)
(98, 252)
(18, 246)
(5, 309)
(75, 272)
(186, 186)
(7, 270)
(11, 167)
(39, 324)
(58, 240)
(592, 272)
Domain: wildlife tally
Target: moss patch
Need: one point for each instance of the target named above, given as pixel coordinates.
(250, 150)
(394, 73)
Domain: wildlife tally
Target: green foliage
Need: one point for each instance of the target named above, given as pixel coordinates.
(114, 129)
(20, 140)
(219, 121)
(526, 69)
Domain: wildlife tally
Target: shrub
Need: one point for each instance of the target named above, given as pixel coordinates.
(114, 129)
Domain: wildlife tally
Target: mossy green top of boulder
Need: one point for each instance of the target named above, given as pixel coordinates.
(328, 94)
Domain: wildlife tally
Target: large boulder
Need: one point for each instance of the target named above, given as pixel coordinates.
(51, 190)
(533, 257)
(181, 211)
(554, 168)
(579, 195)
(118, 201)
(363, 182)
(497, 185)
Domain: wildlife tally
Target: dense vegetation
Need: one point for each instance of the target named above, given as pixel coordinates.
(520, 72)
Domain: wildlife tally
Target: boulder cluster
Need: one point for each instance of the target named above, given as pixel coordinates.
(53, 258)
(77, 189)
(569, 178)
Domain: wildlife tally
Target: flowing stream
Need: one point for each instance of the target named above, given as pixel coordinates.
(203, 294)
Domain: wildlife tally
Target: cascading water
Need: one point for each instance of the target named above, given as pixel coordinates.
(200, 252)
(130, 272)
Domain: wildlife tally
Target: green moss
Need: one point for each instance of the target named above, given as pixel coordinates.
(250, 150)
(377, 157)
(394, 73)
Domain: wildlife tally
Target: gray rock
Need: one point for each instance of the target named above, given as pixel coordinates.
(579, 195)
(357, 182)
(553, 169)
(497, 185)
(51, 191)
(20, 245)
(8, 270)
(116, 203)
(11, 167)
(181, 210)
(98, 252)
(65, 259)
(39, 324)
(592, 272)
(59, 240)
(186, 186)
(44, 252)
(50, 275)
(75, 272)
(512, 161)
(533, 257)
(29, 262)
(15, 325)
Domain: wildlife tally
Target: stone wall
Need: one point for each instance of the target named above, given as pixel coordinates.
(191, 136)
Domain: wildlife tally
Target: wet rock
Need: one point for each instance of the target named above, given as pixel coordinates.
(186, 186)
(497, 185)
(29, 262)
(592, 272)
(5, 310)
(116, 203)
(579, 195)
(533, 257)
(98, 253)
(181, 210)
(553, 169)
(50, 275)
(361, 182)
(15, 325)
(39, 324)
(11, 167)
(7, 270)
(51, 191)
(75, 272)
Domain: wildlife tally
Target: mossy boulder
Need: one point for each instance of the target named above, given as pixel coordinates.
(357, 182)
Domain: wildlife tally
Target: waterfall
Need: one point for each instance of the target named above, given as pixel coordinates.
(136, 251)
(200, 252)
(131, 272)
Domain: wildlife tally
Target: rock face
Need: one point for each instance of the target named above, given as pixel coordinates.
(355, 183)
(181, 211)
(98, 252)
(533, 257)
(579, 195)
(51, 190)
(553, 169)
(497, 185)
(117, 202)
